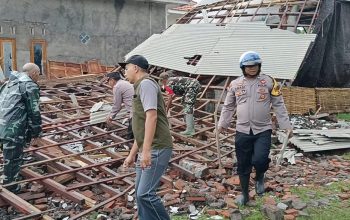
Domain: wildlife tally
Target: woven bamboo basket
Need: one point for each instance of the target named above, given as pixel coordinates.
(299, 100)
(333, 100)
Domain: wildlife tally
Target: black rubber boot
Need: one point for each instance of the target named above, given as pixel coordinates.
(259, 184)
(244, 197)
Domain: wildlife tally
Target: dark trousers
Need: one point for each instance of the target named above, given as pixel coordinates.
(130, 134)
(13, 153)
(252, 150)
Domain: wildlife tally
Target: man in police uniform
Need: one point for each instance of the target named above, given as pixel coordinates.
(186, 87)
(123, 93)
(251, 95)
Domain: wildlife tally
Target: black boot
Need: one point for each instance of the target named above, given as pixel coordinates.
(259, 184)
(244, 197)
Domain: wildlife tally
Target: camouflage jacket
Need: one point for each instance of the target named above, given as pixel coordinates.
(20, 118)
(180, 85)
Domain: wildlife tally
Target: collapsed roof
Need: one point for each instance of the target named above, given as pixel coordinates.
(327, 63)
(210, 38)
(215, 50)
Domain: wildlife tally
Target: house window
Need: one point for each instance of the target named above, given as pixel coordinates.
(13, 30)
(8, 55)
(38, 54)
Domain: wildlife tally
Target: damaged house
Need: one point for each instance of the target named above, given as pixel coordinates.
(76, 31)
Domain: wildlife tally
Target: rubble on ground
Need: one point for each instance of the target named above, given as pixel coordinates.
(76, 169)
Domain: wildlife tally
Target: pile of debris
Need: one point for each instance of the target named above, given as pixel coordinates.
(320, 133)
(215, 192)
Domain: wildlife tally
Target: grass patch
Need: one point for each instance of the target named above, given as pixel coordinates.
(346, 156)
(307, 194)
(344, 116)
(337, 210)
(339, 187)
(256, 215)
(93, 216)
(185, 217)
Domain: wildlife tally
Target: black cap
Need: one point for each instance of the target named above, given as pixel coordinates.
(137, 60)
(114, 75)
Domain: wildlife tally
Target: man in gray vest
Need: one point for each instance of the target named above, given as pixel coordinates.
(153, 141)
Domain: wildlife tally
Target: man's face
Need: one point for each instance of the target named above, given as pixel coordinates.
(251, 70)
(111, 82)
(130, 72)
(35, 75)
(164, 81)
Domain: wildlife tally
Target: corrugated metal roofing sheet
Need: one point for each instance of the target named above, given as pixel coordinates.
(308, 146)
(321, 140)
(205, 2)
(221, 46)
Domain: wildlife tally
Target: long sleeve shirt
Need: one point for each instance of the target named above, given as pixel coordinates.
(20, 118)
(252, 100)
(123, 93)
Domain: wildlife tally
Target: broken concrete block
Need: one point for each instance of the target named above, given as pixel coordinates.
(298, 204)
(217, 205)
(282, 206)
(236, 215)
(197, 168)
(272, 212)
(76, 146)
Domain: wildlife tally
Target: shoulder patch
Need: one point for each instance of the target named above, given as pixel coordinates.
(276, 89)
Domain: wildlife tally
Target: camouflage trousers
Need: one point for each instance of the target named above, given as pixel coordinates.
(190, 97)
(12, 161)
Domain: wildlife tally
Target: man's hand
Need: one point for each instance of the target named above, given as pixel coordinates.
(145, 159)
(222, 130)
(129, 161)
(219, 130)
(34, 142)
(109, 120)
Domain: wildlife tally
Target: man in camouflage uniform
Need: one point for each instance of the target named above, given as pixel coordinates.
(186, 87)
(20, 119)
